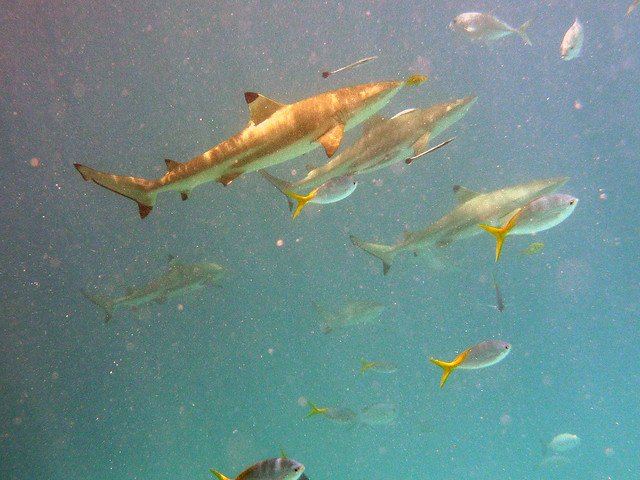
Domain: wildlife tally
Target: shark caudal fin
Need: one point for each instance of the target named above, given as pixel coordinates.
(522, 31)
(219, 475)
(104, 302)
(501, 232)
(386, 253)
(137, 189)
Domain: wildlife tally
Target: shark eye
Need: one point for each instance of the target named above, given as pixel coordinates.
(572, 202)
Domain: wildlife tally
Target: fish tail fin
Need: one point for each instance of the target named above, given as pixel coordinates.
(365, 365)
(386, 253)
(501, 232)
(449, 367)
(219, 475)
(102, 301)
(415, 80)
(282, 185)
(301, 199)
(315, 410)
(140, 190)
(522, 31)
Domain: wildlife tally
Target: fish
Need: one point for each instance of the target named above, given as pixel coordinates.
(180, 278)
(335, 414)
(331, 191)
(563, 442)
(409, 160)
(572, 42)
(384, 142)
(379, 366)
(352, 313)
(379, 414)
(280, 468)
(461, 222)
(486, 27)
(533, 249)
(350, 66)
(499, 299)
(482, 355)
(632, 7)
(538, 215)
(276, 133)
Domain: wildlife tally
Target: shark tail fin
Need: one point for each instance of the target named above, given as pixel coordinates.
(386, 253)
(282, 185)
(522, 31)
(219, 475)
(140, 190)
(501, 232)
(104, 302)
(301, 199)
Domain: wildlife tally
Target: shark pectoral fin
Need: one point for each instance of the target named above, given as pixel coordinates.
(219, 475)
(171, 164)
(261, 107)
(430, 150)
(331, 139)
(463, 194)
(420, 145)
(371, 122)
(228, 178)
(302, 200)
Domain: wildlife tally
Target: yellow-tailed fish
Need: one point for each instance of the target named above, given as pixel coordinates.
(532, 249)
(331, 191)
(335, 414)
(482, 355)
(271, 469)
(379, 366)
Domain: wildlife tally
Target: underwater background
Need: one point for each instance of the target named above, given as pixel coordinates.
(220, 379)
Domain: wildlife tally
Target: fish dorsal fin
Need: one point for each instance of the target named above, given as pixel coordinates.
(463, 194)
(261, 107)
(171, 164)
(403, 112)
(331, 139)
(371, 122)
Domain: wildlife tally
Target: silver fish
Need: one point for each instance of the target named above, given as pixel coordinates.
(482, 26)
(352, 313)
(280, 468)
(379, 414)
(572, 42)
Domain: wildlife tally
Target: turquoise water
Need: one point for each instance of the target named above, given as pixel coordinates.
(219, 378)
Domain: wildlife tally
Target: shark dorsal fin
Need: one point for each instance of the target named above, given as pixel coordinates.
(171, 164)
(463, 194)
(261, 107)
(403, 112)
(371, 122)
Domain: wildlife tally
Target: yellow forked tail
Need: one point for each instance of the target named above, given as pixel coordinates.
(315, 410)
(501, 232)
(302, 200)
(219, 475)
(449, 367)
(366, 365)
(140, 190)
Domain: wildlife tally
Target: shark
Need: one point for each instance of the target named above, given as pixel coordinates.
(464, 220)
(383, 142)
(276, 132)
(180, 278)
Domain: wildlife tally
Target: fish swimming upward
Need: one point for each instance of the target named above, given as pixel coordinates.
(180, 278)
(462, 222)
(280, 468)
(384, 142)
(276, 133)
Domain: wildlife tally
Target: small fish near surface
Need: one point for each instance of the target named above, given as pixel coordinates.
(563, 442)
(485, 27)
(462, 222)
(499, 299)
(379, 366)
(351, 314)
(334, 414)
(276, 133)
(532, 249)
(350, 66)
(572, 42)
(379, 414)
(331, 191)
(536, 216)
(180, 278)
(280, 468)
(482, 355)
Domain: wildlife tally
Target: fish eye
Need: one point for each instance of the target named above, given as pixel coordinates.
(572, 202)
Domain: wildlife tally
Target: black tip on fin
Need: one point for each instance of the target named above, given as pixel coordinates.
(250, 96)
(184, 196)
(456, 188)
(385, 268)
(325, 74)
(144, 210)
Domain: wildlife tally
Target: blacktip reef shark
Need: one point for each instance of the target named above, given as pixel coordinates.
(276, 133)
(463, 221)
(180, 278)
(383, 142)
